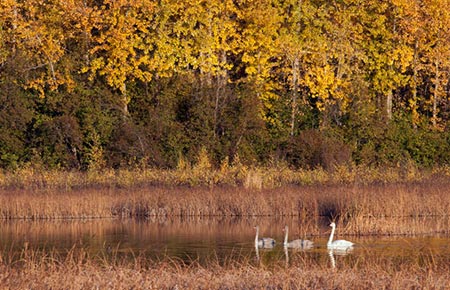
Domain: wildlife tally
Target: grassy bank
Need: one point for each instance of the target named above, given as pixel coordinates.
(362, 209)
(77, 270)
(367, 201)
(203, 175)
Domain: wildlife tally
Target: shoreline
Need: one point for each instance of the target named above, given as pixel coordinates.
(363, 209)
(233, 176)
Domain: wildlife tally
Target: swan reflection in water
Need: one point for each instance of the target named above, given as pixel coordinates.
(286, 253)
(338, 252)
(264, 249)
(296, 245)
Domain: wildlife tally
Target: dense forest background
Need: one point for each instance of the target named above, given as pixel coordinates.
(89, 84)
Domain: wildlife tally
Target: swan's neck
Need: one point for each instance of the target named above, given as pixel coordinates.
(286, 236)
(256, 237)
(330, 240)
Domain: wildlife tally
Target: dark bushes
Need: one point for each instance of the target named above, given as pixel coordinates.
(312, 148)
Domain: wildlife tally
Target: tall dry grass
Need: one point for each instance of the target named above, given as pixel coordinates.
(76, 269)
(202, 174)
(359, 209)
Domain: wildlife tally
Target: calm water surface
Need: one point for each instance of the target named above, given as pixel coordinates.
(205, 239)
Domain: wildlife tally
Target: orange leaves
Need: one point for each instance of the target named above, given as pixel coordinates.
(214, 36)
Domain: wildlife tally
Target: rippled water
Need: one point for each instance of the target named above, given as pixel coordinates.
(205, 239)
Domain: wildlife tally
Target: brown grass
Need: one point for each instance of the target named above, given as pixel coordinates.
(363, 201)
(77, 270)
(366, 201)
(360, 209)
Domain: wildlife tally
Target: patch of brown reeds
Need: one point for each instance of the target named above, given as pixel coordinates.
(76, 269)
(363, 209)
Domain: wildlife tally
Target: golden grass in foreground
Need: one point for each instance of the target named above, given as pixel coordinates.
(76, 270)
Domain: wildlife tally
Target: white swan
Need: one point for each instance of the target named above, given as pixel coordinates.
(297, 244)
(338, 244)
(263, 242)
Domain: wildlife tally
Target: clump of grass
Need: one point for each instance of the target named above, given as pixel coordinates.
(254, 179)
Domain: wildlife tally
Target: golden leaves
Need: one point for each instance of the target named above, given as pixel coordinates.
(120, 51)
(37, 31)
(282, 49)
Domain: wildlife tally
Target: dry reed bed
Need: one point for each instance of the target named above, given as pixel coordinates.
(240, 278)
(76, 270)
(426, 199)
(360, 209)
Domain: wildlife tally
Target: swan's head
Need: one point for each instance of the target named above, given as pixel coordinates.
(256, 227)
(285, 229)
(333, 225)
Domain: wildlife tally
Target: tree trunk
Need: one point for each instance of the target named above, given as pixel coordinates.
(413, 104)
(221, 82)
(389, 99)
(125, 101)
(295, 71)
(435, 94)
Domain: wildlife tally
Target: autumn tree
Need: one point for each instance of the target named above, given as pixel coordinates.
(39, 34)
(424, 27)
(388, 55)
(259, 31)
(214, 40)
(436, 53)
(303, 49)
(122, 44)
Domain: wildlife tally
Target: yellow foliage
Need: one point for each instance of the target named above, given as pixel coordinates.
(281, 48)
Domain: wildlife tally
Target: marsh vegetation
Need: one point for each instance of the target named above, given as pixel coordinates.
(210, 111)
(78, 267)
(406, 218)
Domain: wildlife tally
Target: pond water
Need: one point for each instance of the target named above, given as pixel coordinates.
(207, 239)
